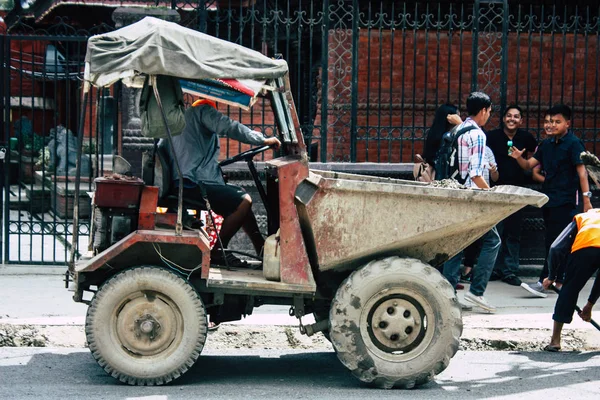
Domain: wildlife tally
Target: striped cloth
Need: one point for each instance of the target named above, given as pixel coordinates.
(471, 153)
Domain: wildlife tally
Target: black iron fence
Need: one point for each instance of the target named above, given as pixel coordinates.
(41, 92)
(367, 77)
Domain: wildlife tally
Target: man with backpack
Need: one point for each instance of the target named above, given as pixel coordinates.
(469, 166)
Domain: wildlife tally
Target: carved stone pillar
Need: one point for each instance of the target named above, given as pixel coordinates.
(133, 143)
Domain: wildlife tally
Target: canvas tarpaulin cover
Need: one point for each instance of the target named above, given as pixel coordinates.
(156, 47)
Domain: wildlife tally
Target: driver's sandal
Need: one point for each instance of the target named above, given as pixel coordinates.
(229, 261)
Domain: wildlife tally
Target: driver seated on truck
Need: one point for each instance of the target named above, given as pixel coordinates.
(197, 150)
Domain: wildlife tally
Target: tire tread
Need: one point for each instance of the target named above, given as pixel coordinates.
(410, 266)
(107, 288)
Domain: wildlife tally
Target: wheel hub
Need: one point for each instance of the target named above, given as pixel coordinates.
(147, 324)
(396, 324)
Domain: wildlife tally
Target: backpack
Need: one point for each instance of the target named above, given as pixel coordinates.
(171, 97)
(446, 159)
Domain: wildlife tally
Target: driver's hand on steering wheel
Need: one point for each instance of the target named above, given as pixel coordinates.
(273, 142)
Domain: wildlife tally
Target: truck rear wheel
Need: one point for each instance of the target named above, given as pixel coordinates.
(146, 326)
(395, 322)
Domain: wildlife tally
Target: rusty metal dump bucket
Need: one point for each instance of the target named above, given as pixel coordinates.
(355, 218)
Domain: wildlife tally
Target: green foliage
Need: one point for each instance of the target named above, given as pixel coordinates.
(44, 159)
(88, 147)
(32, 142)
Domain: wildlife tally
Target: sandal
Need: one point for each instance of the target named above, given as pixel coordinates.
(212, 326)
(552, 348)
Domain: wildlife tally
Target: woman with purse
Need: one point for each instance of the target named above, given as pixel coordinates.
(445, 119)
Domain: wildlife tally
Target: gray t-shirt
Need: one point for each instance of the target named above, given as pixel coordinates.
(197, 148)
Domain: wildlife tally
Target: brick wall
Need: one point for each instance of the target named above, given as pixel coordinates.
(403, 77)
(260, 117)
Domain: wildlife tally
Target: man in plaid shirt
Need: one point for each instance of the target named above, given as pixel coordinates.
(471, 144)
(472, 165)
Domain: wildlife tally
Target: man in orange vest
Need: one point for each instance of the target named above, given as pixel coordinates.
(579, 246)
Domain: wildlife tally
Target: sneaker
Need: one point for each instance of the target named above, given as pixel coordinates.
(512, 280)
(465, 307)
(466, 278)
(535, 289)
(459, 286)
(479, 301)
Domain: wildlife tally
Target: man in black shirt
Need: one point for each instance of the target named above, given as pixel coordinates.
(500, 141)
(560, 156)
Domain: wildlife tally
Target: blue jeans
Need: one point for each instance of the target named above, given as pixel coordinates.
(485, 264)
(507, 263)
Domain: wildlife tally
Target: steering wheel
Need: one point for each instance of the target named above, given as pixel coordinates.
(245, 156)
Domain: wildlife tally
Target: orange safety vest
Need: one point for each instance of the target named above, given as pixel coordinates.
(588, 230)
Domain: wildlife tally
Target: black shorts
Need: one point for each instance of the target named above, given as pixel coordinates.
(581, 266)
(224, 199)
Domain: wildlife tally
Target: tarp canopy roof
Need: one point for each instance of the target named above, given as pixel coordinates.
(156, 47)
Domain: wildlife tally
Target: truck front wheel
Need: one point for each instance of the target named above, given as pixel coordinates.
(395, 322)
(146, 326)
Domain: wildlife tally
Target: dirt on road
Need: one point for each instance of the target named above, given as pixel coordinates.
(288, 337)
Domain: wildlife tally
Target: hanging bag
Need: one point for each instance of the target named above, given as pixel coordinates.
(423, 171)
(171, 97)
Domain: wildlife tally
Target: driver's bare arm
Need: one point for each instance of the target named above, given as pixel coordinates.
(273, 142)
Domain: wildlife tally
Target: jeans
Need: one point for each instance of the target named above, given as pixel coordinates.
(485, 264)
(471, 253)
(507, 263)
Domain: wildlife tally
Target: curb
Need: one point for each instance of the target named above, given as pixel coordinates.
(32, 269)
(284, 337)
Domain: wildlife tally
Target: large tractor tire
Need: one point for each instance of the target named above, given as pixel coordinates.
(395, 322)
(146, 326)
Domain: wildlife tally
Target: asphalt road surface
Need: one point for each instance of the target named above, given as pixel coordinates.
(66, 373)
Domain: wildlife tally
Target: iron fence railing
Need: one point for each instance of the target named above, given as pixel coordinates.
(366, 76)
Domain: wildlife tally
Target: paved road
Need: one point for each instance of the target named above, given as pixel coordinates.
(72, 373)
(58, 374)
